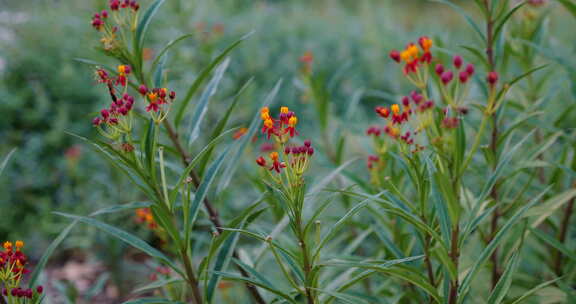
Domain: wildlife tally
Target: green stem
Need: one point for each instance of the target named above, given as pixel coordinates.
(191, 278)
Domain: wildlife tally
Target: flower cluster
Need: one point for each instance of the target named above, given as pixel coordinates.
(416, 60)
(282, 128)
(160, 270)
(159, 101)
(110, 24)
(144, 216)
(12, 267)
(296, 159)
(12, 261)
(23, 293)
(454, 92)
(116, 119)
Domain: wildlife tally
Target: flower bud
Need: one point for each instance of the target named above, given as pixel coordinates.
(458, 61)
(405, 101)
(172, 95)
(395, 55)
(439, 69)
(261, 161)
(447, 77)
(307, 143)
(143, 90)
(105, 114)
(492, 78)
(463, 76)
(470, 69)
(287, 150)
(310, 151)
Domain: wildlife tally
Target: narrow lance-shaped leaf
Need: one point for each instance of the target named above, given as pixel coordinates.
(204, 101)
(200, 79)
(235, 157)
(6, 159)
(202, 191)
(126, 237)
(221, 125)
(495, 241)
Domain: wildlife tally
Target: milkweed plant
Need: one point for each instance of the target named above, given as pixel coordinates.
(465, 193)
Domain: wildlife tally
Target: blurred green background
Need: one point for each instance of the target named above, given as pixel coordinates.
(45, 92)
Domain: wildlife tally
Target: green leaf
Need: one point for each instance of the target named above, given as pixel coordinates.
(194, 162)
(152, 301)
(202, 191)
(203, 75)
(532, 291)
(463, 289)
(234, 277)
(126, 237)
(477, 54)
(554, 243)
(497, 173)
(6, 159)
(245, 140)
(204, 101)
(145, 22)
(501, 24)
(467, 17)
(157, 284)
(402, 272)
(346, 298)
(38, 268)
(503, 285)
(254, 272)
(166, 48)
(119, 208)
(546, 209)
(159, 72)
(570, 6)
(318, 187)
(337, 226)
(221, 125)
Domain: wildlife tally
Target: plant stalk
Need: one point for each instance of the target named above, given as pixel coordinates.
(562, 235)
(454, 256)
(191, 278)
(213, 214)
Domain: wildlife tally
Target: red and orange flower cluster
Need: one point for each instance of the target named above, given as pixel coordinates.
(413, 56)
(99, 19)
(109, 27)
(159, 101)
(144, 216)
(399, 117)
(283, 128)
(115, 120)
(12, 267)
